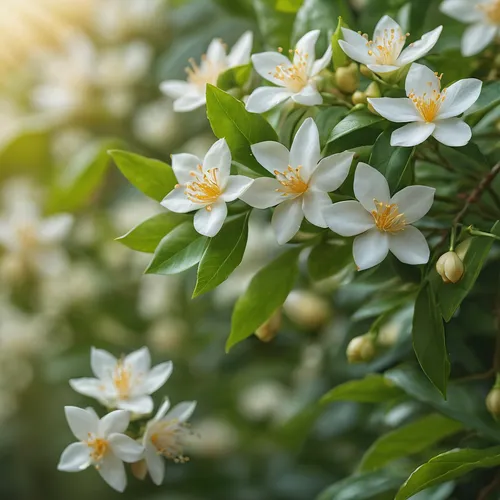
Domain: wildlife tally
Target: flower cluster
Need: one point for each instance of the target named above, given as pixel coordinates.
(124, 387)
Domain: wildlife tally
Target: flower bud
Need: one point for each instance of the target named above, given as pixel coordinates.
(139, 469)
(365, 71)
(358, 97)
(307, 309)
(493, 402)
(361, 349)
(450, 267)
(461, 249)
(347, 78)
(373, 90)
(270, 328)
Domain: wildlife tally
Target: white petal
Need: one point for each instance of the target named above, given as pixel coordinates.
(209, 222)
(175, 88)
(125, 448)
(331, 172)
(74, 458)
(382, 68)
(102, 363)
(271, 155)
(182, 411)
(156, 464)
(305, 150)
(396, 109)
(370, 185)
(409, 246)
(306, 45)
(54, 229)
(465, 11)
(177, 201)
(81, 422)
(412, 134)
(157, 377)
(321, 64)
(286, 220)
(359, 54)
(162, 411)
(219, 156)
(313, 205)
(139, 361)
(183, 164)
(240, 53)
(452, 132)
(263, 99)
(263, 193)
(370, 248)
(348, 218)
(115, 421)
(189, 102)
(460, 96)
(418, 49)
(91, 387)
(138, 405)
(216, 52)
(414, 202)
(385, 26)
(308, 96)
(266, 63)
(235, 187)
(420, 80)
(354, 38)
(112, 470)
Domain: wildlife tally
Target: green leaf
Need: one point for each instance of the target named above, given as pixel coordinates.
(230, 120)
(393, 162)
(354, 121)
(146, 236)
(234, 77)
(153, 177)
(339, 56)
(429, 341)
(451, 295)
(384, 302)
(275, 27)
(327, 259)
(447, 466)
(327, 118)
(223, 254)
(371, 389)
(291, 124)
(289, 6)
(408, 440)
(179, 250)
(267, 291)
(488, 99)
(418, 14)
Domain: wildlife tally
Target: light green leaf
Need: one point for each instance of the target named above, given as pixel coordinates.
(146, 236)
(384, 302)
(408, 440)
(179, 250)
(339, 56)
(234, 77)
(429, 341)
(327, 259)
(267, 291)
(371, 389)
(153, 177)
(447, 466)
(230, 120)
(275, 27)
(354, 121)
(289, 6)
(489, 98)
(223, 254)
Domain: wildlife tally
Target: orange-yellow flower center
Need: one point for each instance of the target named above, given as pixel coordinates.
(99, 447)
(27, 236)
(294, 76)
(205, 188)
(492, 10)
(428, 104)
(122, 380)
(167, 437)
(387, 217)
(292, 181)
(387, 47)
(207, 72)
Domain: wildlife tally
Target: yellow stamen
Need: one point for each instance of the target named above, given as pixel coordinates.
(387, 217)
(387, 47)
(99, 448)
(122, 380)
(206, 72)
(295, 76)
(292, 181)
(428, 105)
(205, 188)
(168, 439)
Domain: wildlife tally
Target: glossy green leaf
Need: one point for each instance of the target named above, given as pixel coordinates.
(429, 341)
(146, 236)
(419, 9)
(230, 120)
(223, 254)
(357, 120)
(289, 6)
(275, 27)
(179, 250)
(447, 466)
(371, 389)
(489, 98)
(153, 177)
(327, 118)
(408, 440)
(291, 123)
(234, 77)
(339, 56)
(384, 302)
(451, 295)
(267, 291)
(327, 259)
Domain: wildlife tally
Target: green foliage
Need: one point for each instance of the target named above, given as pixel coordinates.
(275, 27)
(339, 56)
(288, 5)
(327, 259)
(354, 121)
(235, 77)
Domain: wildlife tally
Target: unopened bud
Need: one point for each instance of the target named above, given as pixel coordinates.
(365, 71)
(462, 248)
(361, 349)
(450, 267)
(139, 469)
(307, 309)
(373, 90)
(358, 97)
(347, 78)
(493, 402)
(270, 328)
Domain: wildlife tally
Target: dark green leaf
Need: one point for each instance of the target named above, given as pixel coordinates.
(429, 341)
(275, 27)
(179, 250)
(153, 177)
(409, 439)
(339, 56)
(489, 98)
(267, 291)
(384, 302)
(291, 124)
(223, 254)
(354, 121)
(230, 120)
(234, 77)
(418, 14)
(327, 119)
(327, 259)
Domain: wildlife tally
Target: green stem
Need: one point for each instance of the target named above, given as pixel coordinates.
(476, 232)
(453, 238)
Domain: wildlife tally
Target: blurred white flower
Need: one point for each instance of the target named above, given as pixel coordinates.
(101, 443)
(155, 123)
(159, 295)
(126, 383)
(165, 436)
(190, 95)
(213, 437)
(263, 400)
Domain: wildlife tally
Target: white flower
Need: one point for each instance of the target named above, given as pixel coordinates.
(165, 436)
(191, 94)
(382, 222)
(295, 79)
(102, 443)
(431, 110)
(302, 181)
(205, 186)
(124, 383)
(385, 52)
(483, 17)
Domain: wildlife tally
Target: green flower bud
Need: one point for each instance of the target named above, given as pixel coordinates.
(450, 267)
(358, 97)
(493, 402)
(373, 90)
(365, 71)
(347, 78)
(361, 349)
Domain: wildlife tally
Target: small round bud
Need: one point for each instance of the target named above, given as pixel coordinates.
(450, 267)
(373, 90)
(347, 78)
(358, 97)
(307, 309)
(461, 249)
(363, 69)
(361, 349)
(270, 328)
(493, 402)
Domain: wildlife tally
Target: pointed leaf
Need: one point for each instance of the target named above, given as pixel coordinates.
(339, 56)
(354, 121)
